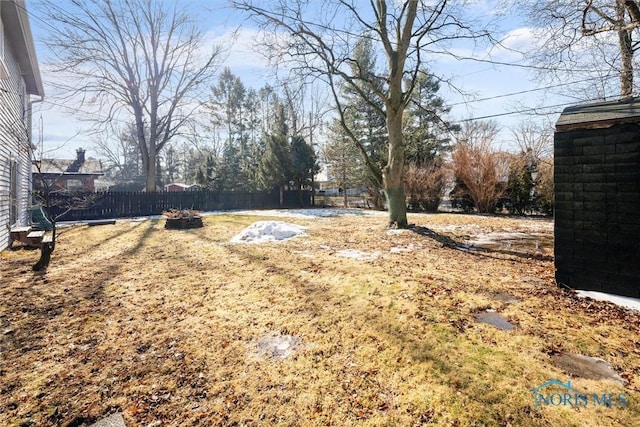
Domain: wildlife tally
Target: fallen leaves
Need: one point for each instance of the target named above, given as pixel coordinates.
(160, 325)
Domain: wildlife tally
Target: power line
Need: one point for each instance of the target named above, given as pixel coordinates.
(506, 95)
(515, 64)
(527, 110)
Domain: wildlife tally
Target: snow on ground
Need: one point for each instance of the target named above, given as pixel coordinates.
(359, 255)
(628, 302)
(268, 231)
(300, 213)
(398, 250)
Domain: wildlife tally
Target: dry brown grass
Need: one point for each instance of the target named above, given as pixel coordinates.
(162, 325)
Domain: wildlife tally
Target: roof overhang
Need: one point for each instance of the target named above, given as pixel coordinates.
(599, 115)
(18, 32)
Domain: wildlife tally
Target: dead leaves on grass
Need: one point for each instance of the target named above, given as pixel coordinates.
(160, 325)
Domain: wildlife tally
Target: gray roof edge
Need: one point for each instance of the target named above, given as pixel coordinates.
(599, 114)
(16, 10)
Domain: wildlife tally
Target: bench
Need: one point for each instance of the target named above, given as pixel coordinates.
(34, 238)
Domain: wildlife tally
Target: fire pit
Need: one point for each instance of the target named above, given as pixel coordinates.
(179, 219)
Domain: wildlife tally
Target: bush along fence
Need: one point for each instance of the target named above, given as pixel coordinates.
(123, 204)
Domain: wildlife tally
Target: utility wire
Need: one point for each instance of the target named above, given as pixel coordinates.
(527, 110)
(506, 95)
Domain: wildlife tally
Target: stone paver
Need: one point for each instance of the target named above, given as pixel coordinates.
(113, 420)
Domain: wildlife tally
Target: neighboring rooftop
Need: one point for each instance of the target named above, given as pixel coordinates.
(78, 166)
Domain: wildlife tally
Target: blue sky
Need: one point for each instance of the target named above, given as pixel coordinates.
(484, 83)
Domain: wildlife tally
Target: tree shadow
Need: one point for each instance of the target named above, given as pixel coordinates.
(450, 243)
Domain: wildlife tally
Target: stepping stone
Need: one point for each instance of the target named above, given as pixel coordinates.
(592, 368)
(113, 420)
(494, 319)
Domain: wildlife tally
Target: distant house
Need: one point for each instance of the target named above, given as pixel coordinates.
(19, 80)
(324, 179)
(176, 186)
(77, 174)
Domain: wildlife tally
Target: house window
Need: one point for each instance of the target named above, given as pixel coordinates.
(13, 192)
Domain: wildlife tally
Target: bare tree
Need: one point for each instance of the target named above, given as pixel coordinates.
(120, 153)
(592, 42)
(137, 60)
(480, 171)
(55, 202)
(317, 39)
(533, 138)
(425, 184)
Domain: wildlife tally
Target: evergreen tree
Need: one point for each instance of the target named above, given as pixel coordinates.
(364, 115)
(427, 134)
(275, 164)
(520, 184)
(303, 164)
(343, 160)
(226, 106)
(207, 175)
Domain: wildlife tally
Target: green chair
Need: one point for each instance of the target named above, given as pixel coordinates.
(38, 219)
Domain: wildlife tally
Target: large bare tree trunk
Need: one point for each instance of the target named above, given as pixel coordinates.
(150, 171)
(393, 173)
(626, 54)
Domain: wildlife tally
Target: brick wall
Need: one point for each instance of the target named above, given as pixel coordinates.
(597, 207)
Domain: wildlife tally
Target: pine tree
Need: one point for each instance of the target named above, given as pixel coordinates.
(427, 133)
(343, 160)
(275, 164)
(303, 164)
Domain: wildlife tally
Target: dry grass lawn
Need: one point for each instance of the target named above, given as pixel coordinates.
(168, 327)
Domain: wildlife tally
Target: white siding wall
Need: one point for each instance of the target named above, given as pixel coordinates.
(14, 144)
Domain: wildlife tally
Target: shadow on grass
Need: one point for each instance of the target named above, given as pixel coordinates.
(45, 298)
(448, 242)
(145, 235)
(68, 303)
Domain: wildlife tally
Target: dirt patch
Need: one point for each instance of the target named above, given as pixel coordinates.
(588, 367)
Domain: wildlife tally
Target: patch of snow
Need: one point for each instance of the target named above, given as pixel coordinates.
(276, 347)
(397, 250)
(493, 238)
(299, 213)
(304, 254)
(268, 231)
(454, 228)
(397, 231)
(359, 255)
(627, 302)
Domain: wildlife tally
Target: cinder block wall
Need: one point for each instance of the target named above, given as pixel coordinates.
(597, 207)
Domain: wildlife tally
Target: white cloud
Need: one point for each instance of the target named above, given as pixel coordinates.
(515, 43)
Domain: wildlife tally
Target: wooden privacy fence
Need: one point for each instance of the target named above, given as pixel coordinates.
(122, 204)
